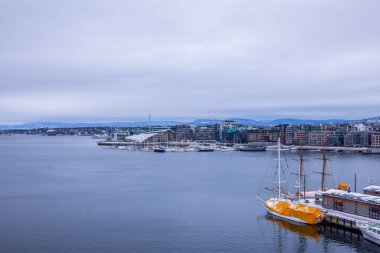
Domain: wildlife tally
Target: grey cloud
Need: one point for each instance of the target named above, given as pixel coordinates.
(262, 59)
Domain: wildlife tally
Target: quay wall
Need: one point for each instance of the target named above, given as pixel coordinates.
(336, 149)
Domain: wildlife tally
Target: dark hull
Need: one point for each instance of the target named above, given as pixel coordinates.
(250, 149)
(205, 150)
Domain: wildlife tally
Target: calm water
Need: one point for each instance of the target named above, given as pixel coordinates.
(65, 194)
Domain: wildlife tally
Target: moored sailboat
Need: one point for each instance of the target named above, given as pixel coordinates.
(288, 209)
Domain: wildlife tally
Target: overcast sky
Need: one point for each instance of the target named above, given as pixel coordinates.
(116, 60)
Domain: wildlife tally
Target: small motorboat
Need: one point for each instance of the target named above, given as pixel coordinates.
(370, 231)
(159, 149)
(205, 149)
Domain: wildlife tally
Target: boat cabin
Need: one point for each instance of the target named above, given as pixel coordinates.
(374, 229)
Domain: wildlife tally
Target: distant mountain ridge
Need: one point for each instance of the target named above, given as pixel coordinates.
(197, 122)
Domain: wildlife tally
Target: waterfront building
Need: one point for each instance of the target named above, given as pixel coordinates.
(372, 190)
(282, 130)
(206, 133)
(257, 136)
(351, 202)
(141, 138)
(375, 139)
(163, 136)
(183, 133)
(375, 127)
(300, 137)
(230, 131)
(357, 139)
(360, 127)
(337, 138)
(319, 138)
(289, 134)
(232, 136)
(228, 124)
(119, 135)
(137, 130)
(263, 135)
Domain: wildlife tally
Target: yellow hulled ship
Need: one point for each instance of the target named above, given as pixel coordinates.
(293, 210)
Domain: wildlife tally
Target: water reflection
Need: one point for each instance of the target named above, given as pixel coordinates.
(325, 234)
(303, 230)
(341, 235)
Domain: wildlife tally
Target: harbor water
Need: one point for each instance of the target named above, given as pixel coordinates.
(66, 194)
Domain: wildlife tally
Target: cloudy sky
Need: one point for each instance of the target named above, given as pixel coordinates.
(116, 60)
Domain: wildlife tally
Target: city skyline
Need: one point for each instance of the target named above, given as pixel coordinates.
(78, 61)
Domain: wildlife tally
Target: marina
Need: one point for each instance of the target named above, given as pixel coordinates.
(251, 147)
(189, 146)
(178, 146)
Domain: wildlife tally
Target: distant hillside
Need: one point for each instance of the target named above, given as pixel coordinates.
(371, 120)
(303, 122)
(197, 122)
(35, 125)
(204, 122)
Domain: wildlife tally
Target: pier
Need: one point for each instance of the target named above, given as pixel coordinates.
(333, 149)
(342, 220)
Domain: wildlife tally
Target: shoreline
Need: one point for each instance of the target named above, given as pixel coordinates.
(235, 147)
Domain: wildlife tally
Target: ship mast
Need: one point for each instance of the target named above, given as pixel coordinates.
(150, 125)
(324, 160)
(279, 168)
(300, 164)
(324, 170)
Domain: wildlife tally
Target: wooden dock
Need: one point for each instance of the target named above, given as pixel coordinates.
(346, 220)
(341, 221)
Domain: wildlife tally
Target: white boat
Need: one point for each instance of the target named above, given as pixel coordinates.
(370, 231)
(191, 149)
(146, 149)
(205, 149)
(226, 148)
